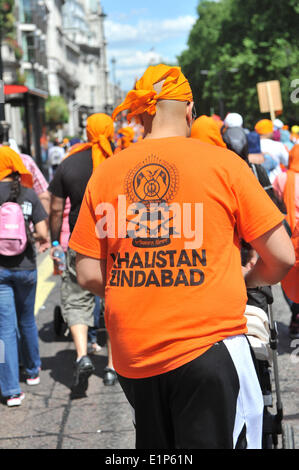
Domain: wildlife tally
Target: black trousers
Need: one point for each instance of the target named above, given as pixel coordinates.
(191, 407)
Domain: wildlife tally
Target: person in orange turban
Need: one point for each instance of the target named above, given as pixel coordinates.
(11, 162)
(144, 97)
(126, 137)
(19, 278)
(287, 187)
(100, 131)
(264, 127)
(160, 335)
(71, 178)
(207, 130)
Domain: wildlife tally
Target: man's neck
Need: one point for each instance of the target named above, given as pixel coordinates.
(162, 135)
(157, 131)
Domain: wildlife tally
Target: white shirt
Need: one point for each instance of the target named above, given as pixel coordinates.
(278, 152)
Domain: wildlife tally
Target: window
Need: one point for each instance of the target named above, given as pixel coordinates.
(92, 95)
(30, 79)
(28, 45)
(26, 11)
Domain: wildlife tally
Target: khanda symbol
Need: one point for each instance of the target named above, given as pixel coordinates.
(152, 182)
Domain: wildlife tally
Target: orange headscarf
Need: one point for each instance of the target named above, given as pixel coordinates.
(100, 131)
(127, 134)
(11, 162)
(289, 190)
(206, 129)
(144, 98)
(264, 126)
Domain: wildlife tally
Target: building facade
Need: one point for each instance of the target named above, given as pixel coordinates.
(63, 54)
(77, 59)
(25, 75)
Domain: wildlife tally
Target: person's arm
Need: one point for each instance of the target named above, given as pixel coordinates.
(276, 258)
(91, 274)
(256, 158)
(284, 156)
(44, 198)
(56, 217)
(42, 236)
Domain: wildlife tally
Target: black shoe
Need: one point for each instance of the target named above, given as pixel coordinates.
(83, 369)
(110, 377)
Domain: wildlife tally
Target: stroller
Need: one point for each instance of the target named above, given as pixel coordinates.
(263, 339)
(262, 331)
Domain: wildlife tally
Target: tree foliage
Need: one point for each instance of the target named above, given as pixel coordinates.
(57, 112)
(7, 19)
(235, 44)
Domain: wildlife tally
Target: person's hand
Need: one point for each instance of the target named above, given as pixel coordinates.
(43, 245)
(245, 270)
(53, 249)
(253, 257)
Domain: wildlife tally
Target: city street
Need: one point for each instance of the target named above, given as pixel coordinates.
(48, 419)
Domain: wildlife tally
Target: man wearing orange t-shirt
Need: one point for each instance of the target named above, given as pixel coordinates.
(159, 235)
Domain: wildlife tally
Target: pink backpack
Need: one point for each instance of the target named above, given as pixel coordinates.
(13, 236)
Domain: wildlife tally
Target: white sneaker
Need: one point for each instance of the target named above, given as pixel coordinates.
(34, 380)
(15, 400)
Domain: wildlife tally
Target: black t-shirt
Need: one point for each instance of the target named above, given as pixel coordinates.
(34, 212)
(70, 180)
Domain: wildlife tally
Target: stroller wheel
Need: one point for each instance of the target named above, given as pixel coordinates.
(288, 440)
(59, 323)
(267, 441)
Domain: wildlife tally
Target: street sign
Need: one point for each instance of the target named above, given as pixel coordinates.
(269, 96)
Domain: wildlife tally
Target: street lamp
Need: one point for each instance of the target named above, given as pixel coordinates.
(103, 15)
(113, 62)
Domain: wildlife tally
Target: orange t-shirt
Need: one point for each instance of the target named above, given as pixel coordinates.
(174, 279)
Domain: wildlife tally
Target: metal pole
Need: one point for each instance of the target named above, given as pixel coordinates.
(221, 103)
(2, 100)
(270, 100)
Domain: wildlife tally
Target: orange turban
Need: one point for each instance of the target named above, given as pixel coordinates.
(206, 129)
(144, 98)
(11, 162)
(265, 126)
(100, 131)
(127, 134)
